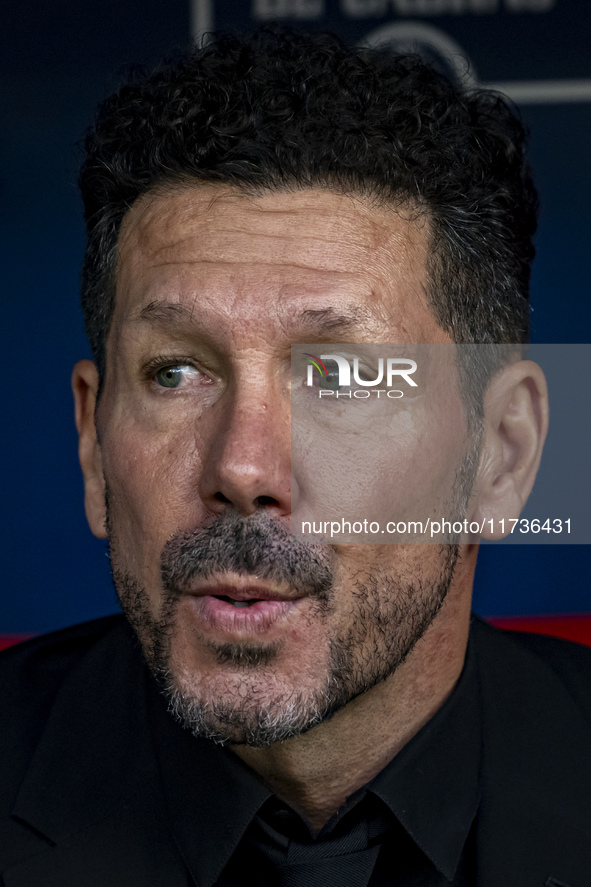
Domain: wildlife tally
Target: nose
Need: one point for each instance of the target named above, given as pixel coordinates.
(247, 463)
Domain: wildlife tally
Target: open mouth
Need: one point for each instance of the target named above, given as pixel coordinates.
(243, 609)
(229, 600)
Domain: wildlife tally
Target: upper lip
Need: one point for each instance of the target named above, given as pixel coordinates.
(242, 589)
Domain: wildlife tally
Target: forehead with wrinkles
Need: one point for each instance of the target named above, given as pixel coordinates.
(216, 248)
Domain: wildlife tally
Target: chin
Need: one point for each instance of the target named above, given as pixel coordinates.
(242, 703)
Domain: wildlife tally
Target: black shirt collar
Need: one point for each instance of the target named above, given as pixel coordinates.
(431, 786)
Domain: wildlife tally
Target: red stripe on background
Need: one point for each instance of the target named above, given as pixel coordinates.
(572, 627)
(7, 640)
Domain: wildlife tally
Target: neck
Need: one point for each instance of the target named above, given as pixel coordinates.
(316, 772)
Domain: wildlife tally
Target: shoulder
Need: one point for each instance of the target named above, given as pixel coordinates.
(535, 814)
(31, 677)
(37, 666)
(552, 651)
(77, 770)
(533, 665)
(32, 672)
(64, 641)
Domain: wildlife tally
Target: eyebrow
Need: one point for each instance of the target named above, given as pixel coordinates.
(313, 320)
(329, 320)
(163, 311)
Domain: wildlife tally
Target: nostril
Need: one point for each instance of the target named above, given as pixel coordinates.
(219, 497)
(261, 501)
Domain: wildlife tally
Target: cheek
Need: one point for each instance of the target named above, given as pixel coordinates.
(386, 572)
(399, 469)
(425, 458)
(427, 471)
(151, 477)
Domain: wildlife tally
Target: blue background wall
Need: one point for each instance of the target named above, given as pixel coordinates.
(56, 61)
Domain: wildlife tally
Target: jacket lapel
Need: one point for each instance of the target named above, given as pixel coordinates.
(534, 824)
(127, 849)
(100, 819)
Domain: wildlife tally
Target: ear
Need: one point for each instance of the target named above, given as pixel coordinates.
(85, 388)
(515, 427)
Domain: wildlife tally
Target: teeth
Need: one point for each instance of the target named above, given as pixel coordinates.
(241, 603)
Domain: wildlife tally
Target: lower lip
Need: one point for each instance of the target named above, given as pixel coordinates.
(254, 619)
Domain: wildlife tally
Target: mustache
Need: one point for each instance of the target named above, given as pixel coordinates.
(250, 546)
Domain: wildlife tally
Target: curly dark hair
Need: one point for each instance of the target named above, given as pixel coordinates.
(279, 109)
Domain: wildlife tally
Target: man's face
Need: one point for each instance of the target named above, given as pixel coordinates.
(213, 287)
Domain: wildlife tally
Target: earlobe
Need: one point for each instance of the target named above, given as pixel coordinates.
(515, 427)
(85, 388)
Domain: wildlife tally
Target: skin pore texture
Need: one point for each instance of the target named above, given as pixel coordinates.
(352, 648)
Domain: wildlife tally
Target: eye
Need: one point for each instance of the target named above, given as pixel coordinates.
(330, 381)
(175, 376)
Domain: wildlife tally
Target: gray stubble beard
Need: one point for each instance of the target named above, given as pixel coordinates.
(390, 616)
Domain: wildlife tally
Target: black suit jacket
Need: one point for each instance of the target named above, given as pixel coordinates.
(80, 797)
